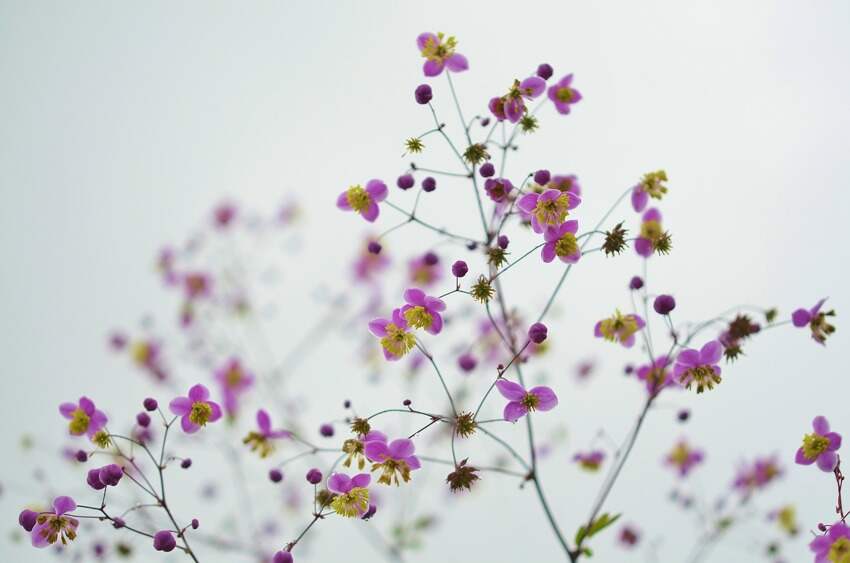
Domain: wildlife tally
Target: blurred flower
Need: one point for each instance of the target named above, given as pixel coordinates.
(439, 51)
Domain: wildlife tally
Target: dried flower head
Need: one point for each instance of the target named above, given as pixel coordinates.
(465, 424)
(462, 477)
(497, 256)
(528, 124)
(360, 426)
(476, 153)
(615, 240)
(482, 291)
(414, 145)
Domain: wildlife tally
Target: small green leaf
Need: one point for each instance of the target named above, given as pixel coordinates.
(595, 527)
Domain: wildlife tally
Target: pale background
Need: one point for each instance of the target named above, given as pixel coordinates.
(120, 125)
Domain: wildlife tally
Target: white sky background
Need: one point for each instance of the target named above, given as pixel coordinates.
(120, 126)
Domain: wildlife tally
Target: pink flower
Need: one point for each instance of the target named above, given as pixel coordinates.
(234, 381)
(561, 242)
(195, 410)
(55, 526)
(396, 459)
(521, 402)
(363, 200)
(548, 209)
(563, 94)
(423, 311)
(439, 51)
(820, 446)
(84, 417)
(684, 458)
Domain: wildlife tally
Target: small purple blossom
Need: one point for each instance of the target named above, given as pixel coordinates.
(352, 498)
(439, 52)
(699, 367)
(657, 375)
(164, 541)
(282, 557)
(314, 476)
(590, 461)
(537, 332)
(684, 458)
(364, 200)
(195, 410)
(650, 233)
(521, 402)
(561, 242)
(84, 417)
(234, 380)
(405, 181)
(423, 94)
(394, 334)
(619, 328)
(820, 446)
(467, 362)
(53, 526)
(487, 170)
(545, 71)
(396, 459)
(635, 283)
(563, 94)
(833, 546)
(511, 106)
(423, 311)
(664, 304)
(459, 269)
(548, 209)
(816, 320)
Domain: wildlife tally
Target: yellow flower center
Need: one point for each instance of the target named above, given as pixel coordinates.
(354, 449)
(651, 230)
(358, 198)
(679, 455)
(814, 445)
(652, 183)
(200, 413)
(439, 50)
(418, 317)
(564, 95)
(233, 377)
(353, 503)
(141, 352)
(704, 377)
(79, 422)
(530, 401)
(57, 528)
(391, 470)
(259, 443)
(552, 211)
(619, 327)
(840, 551)
(566, 245)
(397, 342)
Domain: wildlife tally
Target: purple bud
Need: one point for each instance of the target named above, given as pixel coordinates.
(537, 332)
(27, 519)
(110, 474)
(275, 475)
(407, 402)
(683, 415)
(346, 404)
(664, 304)
(369, 513)
(629, 369)
(459, 269)
(822, 527)
(405, 181)
(487, 169)
(503, 241)
(282, 557)
(314, 476)
(423, 94)
(195, 524)
(542, 177)
(472, 245)
(143, 419)
(93, 479)
(467, 362)
(429, 184)
(81, 456)
(374, 247)
(164, 541)
(150, 404)
(431, 259)
(326, 430)
(485, 122)
(186, 463)
(545, 71)
(118, 523)
(636, 283)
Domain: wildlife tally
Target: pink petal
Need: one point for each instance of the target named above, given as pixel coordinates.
(180, 406)
(432, 68)
(264, 422)
(399, 449)
(457, 63)
(339, 483)
(514, 411)
(547, 397)
(199, 393)
(361, 480)
(820, 425)
(510, 390)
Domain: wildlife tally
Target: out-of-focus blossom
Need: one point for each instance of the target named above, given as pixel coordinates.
(816, 321)
(683, 458)
(234, 381)
(652, 237)
(563, 95)
(657, 375)
(757, 475)
(619, 328)
(439, 52)
(425, 270)
(262, 439)
(590, 461)
(650, 186)
(511, 106)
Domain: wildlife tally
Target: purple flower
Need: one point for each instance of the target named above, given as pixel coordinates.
(27, 519)
(699, 366)
(234, 380)
(650, 186)
(261, 439)
(459, 269)
(224, 214)
(439, 51)
(498, 189)
(657, 375)
(820, 446)
(565, 183)
(424, 271)
(282, 557)
(511, 106)
(467, 362)
(429, 184)
(195, 409)
(55, 525)
(664, 304)
(363, 200)
(635, 283)
(164, 541)
(650, 233)
(423, 311)
(370, 263)
(395, 459)
(396, 340)
(537, 333)
(405, 181)
(561, 242)
(816, 319)
(352, 498)
(314, 476)
(833, 546)
(548, 209)
(84, 417)
(545, 71)
(487, 169)
(521, 402)
(590, 461)
(758, 475)
(423, 94)
(619, 328)
(197, 285)
(108, 475)
(563, 95)
(684, 458)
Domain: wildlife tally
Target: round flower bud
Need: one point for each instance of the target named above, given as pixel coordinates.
(629, 369)
(326, 430)
(346, 404)
(186, 463)
(118, 523)
(683, 415)
(636, 283)
(459, 269)
(314, 476)
(485, 122)
(81, 456)
(195, 524)
(423, 95)
(150, 404)
(143, 419)
(27, 519)
(664, 304)
(93, 479)
(164, 541)
(537, 332)
(429, 184)
(405, 181)
(282, 557)
(407, 402)
(545, 71)
(275, 475)
(542, 177)
(467, 362)
(487, 169)
(374, 247)
(471, 245)
(110, 474)
(431, 259)
(503, 241)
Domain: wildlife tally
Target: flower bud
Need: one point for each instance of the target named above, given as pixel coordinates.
(423, 95)
(545, 71)
(164, 541)
(537, 333)
(664, 304)
(314, 476)
(459, 269)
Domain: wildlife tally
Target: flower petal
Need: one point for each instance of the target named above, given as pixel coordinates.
(63, 505)
(402, 448)
(339, 483)
(820, 425)
(199, 393)
(510, 390)
(514, 411)
(548, 399)
(180, 406)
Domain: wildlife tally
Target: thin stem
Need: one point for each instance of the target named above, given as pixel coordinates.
(439, 375)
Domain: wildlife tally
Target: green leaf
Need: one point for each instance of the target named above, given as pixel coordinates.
(596, 526)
